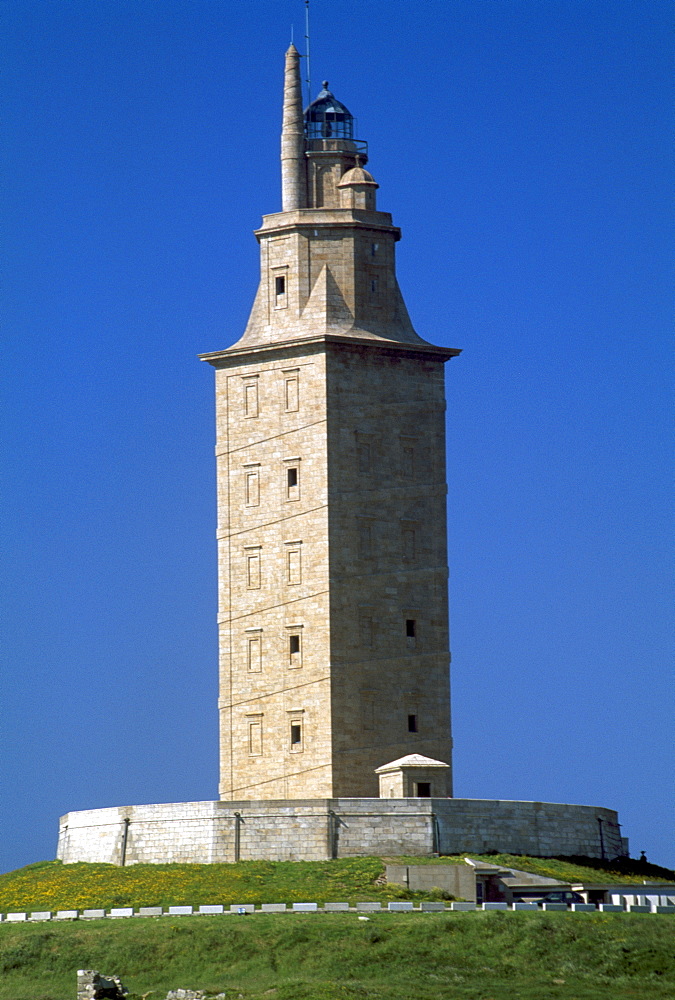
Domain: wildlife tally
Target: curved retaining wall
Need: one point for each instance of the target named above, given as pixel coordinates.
(317, 829)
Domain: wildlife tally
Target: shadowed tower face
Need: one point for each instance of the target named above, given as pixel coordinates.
(330, 410)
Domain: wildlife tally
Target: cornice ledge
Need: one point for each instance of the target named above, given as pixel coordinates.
(225, 357)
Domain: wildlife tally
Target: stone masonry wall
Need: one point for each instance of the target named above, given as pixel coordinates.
(317, 829)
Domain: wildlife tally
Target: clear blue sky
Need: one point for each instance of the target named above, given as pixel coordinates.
(522, 147)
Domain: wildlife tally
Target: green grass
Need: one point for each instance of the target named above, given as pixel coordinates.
(464, 956)
(51, 885)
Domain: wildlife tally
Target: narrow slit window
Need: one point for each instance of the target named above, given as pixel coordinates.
(255, 748)
(412, 723)
(292, 482)
(280, 285)
(253, 571)
(364, 456)
(291, 394)
(409, 543)
(293, 567)
(296, 735)
(410, 628)
(408, 462)
(251, 399)
(252, 489)
(294, 650)
(254, 656)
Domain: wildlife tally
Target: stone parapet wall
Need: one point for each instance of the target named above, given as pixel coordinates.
(317, 829)
(538, 828)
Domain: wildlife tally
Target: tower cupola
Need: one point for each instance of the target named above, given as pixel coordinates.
(330, 148)
(328, 118)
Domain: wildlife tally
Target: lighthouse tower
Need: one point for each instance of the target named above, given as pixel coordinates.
(330, 411)
(332, 613)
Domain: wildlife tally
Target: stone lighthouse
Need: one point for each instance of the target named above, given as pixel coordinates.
(334, 693)
(330, 411)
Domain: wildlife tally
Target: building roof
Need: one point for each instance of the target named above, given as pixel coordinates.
(411, 760)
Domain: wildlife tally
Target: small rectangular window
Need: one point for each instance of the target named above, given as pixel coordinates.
(292, 482)
(255, 737)
(368, 709)
(423, 789)
(296, 735)
(254, 654)
(412, 723)
(251, 399)
(294, 644)
(293, 566)
(291, 393)
(374, 247)
(253, 571)
(252, 498)
(280, 291)
(410, 628)
(374, 285)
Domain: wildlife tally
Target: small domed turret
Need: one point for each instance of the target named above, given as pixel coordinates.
(357, 188)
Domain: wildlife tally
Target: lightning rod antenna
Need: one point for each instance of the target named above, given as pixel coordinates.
(308, 79)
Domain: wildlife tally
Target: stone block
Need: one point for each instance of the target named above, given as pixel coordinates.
(369, 907)
(180, 911)
(150, 911)
(554, 906)
(66, 915)
(41, 915)
(93, 914)
(611, 908)
(16, 917)
(583, 907)
(664, 909)
(212, 908)
(462, 906)
(400, 907)
(639, 908)
(496, 906)
(305, 907)
(242, 908)
(121, 911)
(524, 906)
(273, 908)
(432, 907)
(335, 907)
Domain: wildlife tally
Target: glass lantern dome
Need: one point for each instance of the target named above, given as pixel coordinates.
(328, 118)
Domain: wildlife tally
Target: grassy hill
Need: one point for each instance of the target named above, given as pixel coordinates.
(51, 885)
(464, 956)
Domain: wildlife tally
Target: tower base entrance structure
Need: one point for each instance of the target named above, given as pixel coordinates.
(320, 829)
